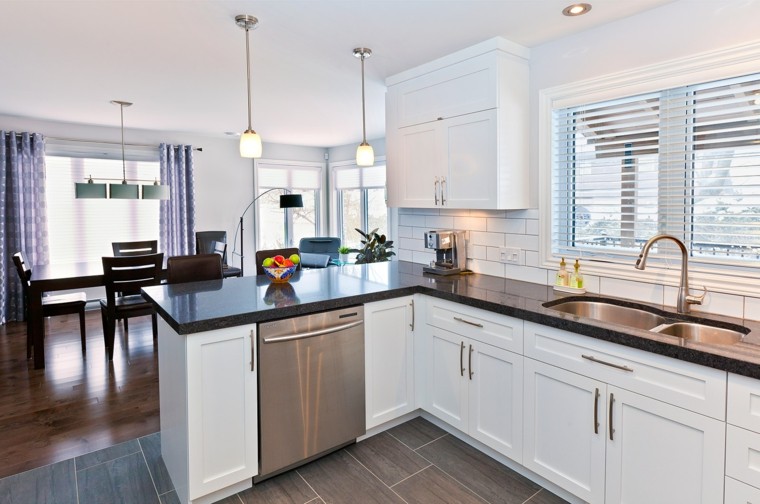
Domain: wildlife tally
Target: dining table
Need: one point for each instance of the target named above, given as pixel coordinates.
(57, 277)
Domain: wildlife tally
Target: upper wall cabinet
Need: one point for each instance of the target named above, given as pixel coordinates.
(457, 130)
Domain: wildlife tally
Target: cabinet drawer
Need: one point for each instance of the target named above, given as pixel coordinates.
(461, 88)
(690, 386)
(744, 402)
(743, 455)
(741, 493)
(498, 330)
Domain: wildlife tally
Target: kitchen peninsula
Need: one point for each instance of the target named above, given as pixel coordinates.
(207, 351)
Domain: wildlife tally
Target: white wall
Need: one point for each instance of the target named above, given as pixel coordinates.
(675, 30)
(223, 180)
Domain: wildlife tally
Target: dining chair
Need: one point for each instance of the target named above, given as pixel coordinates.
(207, 242)
(263, 254)
(123, 279)
(321, 245)
(194, 268)
(125, 249)
(60, 304)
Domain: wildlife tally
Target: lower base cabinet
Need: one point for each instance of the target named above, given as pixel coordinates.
(477, 388)
(607, 444)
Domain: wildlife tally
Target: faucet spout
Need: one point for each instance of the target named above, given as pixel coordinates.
(684, 299)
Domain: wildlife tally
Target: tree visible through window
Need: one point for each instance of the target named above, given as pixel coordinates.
(360, 201)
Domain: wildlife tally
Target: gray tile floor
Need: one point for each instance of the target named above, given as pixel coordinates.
(415, 462)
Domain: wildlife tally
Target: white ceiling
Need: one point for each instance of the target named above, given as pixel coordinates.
(182, 62)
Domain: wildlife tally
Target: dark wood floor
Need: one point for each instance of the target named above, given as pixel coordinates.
(77, 404)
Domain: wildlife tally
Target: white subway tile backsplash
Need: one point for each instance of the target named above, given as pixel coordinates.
(405, 232)
(531, 258)
(752, 308)
(499, 214)
(439, 222)
(493, 254)
(411, 244)
(533, 275)
(487, 267)
(531, 227)
(637, 291)
(454, 212)
(470, 223)
(476, 251)
(528, 213)
(404, 254)
(506, 226)
(488, 239)
(423, 257)
(525, 242)
(411, 220)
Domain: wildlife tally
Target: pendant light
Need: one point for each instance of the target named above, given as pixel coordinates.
(250, 141)
(365, 155)
(123, 190)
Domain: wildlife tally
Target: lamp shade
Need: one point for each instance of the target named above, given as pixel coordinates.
(250, 144)
(124, 191)
(291, 201)
(90, 190)
(365, 155)
(155, 191)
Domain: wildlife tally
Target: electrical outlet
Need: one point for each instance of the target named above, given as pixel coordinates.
(510, 255)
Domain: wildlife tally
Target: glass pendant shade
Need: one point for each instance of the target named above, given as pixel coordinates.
(250, 144)
(155, 191)
(365, 155)
(90, 190)
(124, 191)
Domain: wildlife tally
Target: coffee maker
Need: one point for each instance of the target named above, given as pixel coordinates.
(450, 254)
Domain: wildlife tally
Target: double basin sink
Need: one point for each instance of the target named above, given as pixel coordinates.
(650, 319)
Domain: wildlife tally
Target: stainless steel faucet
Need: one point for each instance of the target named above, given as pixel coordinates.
(684, 299)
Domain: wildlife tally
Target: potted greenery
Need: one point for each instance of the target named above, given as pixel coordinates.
(343, 252)
(375, 248)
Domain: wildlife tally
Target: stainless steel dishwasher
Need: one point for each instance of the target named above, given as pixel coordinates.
(311, 387)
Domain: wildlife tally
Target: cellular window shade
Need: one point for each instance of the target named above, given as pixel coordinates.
(682, 161)
(288, 176)
(355, 177)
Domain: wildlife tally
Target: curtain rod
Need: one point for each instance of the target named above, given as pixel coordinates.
(200, 149)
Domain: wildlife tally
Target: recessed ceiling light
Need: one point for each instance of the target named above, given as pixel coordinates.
(576, 9)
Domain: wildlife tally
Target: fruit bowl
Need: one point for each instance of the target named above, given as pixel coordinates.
(279, 274)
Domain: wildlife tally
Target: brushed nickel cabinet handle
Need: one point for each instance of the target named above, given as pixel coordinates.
(435, 190)
(596, 411)
(610, 364)
(253, 356)
(458, 319)
(443, 184)
(461, 357)
(612, 401)
(411, 303)
(469, 362)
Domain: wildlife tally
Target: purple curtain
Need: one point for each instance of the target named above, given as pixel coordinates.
(23, 214)
(177, 214)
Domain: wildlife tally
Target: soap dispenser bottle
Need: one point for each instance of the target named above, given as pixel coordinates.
(562, 279)
(576, 280)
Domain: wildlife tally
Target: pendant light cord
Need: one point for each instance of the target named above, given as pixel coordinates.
(248, 72)
(123, 161)
(364, 121)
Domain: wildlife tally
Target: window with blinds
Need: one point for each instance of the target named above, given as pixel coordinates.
(683, 161)
(276, 227)
(83, 229)
(360, 198)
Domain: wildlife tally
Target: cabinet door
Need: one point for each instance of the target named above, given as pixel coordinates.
(417, 159)
(222, 409)
(495, 398)
(389, 359)
(565, 426)
(741, 493)
(662, 453)
(470, 150)
(447, 392)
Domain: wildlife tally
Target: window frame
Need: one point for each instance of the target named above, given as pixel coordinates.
(703, 67)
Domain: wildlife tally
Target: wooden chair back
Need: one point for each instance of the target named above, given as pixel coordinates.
(263, 254)
(205, 243)
(24, 271)
(126, 275)
(126, 249)
(194, 268)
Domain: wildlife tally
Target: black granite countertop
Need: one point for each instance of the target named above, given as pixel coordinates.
(204, 306)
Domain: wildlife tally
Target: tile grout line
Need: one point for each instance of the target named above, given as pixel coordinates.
(529, 498)
(376, 477)
(451, 476)
(416, 473)
(150, 473)
(76, 478)
(309, 485)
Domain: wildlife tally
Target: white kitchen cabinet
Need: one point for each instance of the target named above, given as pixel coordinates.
(565, 427)
(209, 426)
(582, 393)
(389, 359)
(477, 388)
(743, 437)
(457, 131)
(738, 492)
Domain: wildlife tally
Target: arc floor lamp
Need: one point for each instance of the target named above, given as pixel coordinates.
(286, 201)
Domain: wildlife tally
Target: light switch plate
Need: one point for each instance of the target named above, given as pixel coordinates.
(510, 255)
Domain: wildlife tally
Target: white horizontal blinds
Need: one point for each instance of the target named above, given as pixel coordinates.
(354, 177)
(683, 161)
(83, 229)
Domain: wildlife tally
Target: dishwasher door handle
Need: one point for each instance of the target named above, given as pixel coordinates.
(311, 334)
